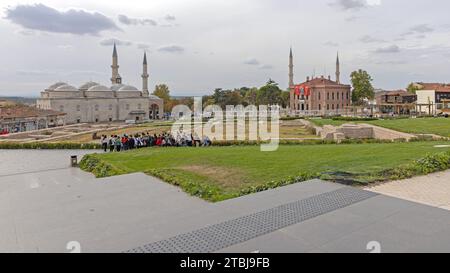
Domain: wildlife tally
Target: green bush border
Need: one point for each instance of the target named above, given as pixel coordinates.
(49, 146)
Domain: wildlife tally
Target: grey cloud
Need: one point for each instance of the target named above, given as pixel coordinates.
(171, 49)
(44, 18)
(349, 4)
(111, 41)
(332, 44)
(136, 21)
(251, 61)
(369, 39)
(388, 49)
(143, 46)
(26, 32)
(266, 67)
(424, 28)
(170, 18)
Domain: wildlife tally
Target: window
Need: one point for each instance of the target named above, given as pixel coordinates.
(61, 108)
(337, 94)
(320, 107)
(96, 107)
(110, 107)
(328, 95)
(328, 107)
(127, 107)
(78, 108)
(342, 95)
(332, 95)
(139, 106)
(319, 95)
(332, 106)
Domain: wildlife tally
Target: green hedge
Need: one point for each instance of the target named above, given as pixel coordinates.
(353, 119)
(49, 146)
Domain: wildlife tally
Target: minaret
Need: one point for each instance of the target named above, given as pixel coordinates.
(115, 79)
(145, 75)
(338, 70)
(291, 69)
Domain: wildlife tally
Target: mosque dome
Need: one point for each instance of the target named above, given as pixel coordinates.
(128, 88)
(88, 85)
(99, 88)
(56, 85)
(66, 87)
(153, 97)
(116, 87)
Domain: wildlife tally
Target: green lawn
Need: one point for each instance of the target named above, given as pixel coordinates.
(230, 170)
(437, 126)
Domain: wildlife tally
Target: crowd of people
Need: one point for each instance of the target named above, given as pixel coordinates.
(115, 143)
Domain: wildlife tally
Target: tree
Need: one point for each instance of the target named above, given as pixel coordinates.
(362, 86)
(412, 88)
(162, 91)
(269, 94)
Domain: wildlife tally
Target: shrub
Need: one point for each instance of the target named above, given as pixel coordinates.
(49, 146)
(353, 119)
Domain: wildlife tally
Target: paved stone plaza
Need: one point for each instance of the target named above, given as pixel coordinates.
(44, 204)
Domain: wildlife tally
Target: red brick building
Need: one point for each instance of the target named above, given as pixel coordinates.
(321, 94)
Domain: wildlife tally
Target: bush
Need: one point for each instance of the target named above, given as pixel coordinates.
(49, 146)
(353, 119)
(91, 163)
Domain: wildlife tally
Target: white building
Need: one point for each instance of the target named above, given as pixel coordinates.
(431, 98)
(93, 102)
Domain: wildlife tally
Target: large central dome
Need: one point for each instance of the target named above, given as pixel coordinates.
(128, 88)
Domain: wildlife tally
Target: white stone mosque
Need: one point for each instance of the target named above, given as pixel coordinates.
(93, 102)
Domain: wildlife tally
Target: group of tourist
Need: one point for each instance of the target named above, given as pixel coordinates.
(116, 143)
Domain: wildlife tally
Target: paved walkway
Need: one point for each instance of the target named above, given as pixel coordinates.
(433, 189)
(44, 205)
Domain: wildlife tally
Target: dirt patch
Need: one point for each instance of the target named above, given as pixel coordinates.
(225, 177)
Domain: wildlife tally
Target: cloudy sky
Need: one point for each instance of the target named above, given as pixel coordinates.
(195, 46)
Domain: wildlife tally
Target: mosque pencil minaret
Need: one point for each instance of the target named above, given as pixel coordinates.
(145, 75)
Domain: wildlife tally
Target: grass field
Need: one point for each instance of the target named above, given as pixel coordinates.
(227, 171)
(437, 126)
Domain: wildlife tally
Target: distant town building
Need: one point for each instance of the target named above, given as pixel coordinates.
(16, 118)
(399, 102)
(93, 102)
(318, 94)
(432, 98)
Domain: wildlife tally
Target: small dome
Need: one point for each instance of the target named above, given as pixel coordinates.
(88, 85)
(128, 88)
(56, 85)
(153, 97)
(116, 87)
(66, 87)
(99, 88)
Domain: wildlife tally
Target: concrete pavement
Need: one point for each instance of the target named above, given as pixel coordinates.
(44, 205)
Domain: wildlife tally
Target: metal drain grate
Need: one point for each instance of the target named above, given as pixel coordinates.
(229, 233)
